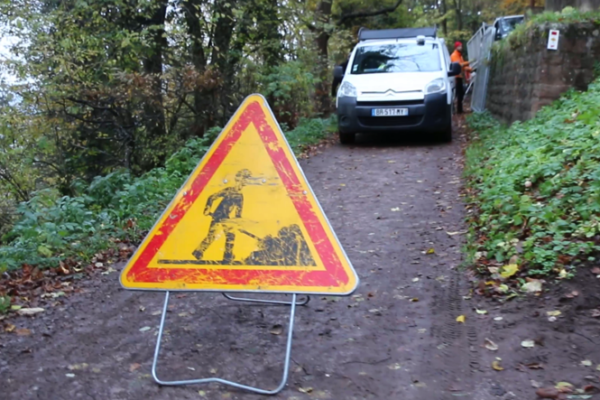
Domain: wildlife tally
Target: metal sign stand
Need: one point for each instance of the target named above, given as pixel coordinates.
(288, 347)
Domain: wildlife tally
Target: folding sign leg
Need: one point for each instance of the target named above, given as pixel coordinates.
(286, 362)
(279, 302)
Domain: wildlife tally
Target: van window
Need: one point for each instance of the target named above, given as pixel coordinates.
(396, 57)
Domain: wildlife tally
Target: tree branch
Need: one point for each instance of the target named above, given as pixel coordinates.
(365, 13)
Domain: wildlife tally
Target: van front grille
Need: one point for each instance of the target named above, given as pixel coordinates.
(394, 103)
(390, 121)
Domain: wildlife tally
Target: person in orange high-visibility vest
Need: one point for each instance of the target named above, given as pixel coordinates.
(460, 79)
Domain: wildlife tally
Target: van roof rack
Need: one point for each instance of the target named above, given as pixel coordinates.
(402, 33)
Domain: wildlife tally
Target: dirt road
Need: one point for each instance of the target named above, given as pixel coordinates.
(393, 204)
(390, 202)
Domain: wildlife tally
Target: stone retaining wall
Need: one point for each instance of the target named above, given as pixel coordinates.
(525, 76)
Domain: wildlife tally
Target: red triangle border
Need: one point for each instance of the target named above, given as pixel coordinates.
(334, 275)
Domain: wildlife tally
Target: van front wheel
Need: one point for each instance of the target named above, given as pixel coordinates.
(347, 138)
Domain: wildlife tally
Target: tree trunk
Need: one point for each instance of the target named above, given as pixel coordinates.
(458, 8)
(221, 41)
(192, 10)
(444, 21)
(321, 40)
(154, 119)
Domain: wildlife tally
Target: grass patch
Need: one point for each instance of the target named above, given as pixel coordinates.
(113, 208)
(535, 188)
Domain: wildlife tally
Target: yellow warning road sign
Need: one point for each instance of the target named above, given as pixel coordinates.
(245, 220)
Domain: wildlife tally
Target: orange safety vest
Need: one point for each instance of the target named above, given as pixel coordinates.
(456, 56)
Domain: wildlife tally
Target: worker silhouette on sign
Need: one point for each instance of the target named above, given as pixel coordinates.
(230, 206)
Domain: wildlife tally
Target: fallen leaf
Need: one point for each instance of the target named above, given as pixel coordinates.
(528, 343)
(30, 311)
(456, 233)
(590, 389)
(9, 328)
(564, 387)
(305, 390)
(276, 330)
(490, 345)
(431, 251)
(482, 312)
(108, 271)
(574, 293)
(23, 332)
(77, 367)
(133, 367)
(508, 270)
(183, 314)
(461, 319)
(144, 329)
(534, 366)
(554, 313)
(496, 366)
(562, 274)
(15, 308)
(414, 300)
(586, 363)
(202, 393)
(533, 286)
(548, 393)
(493, 270)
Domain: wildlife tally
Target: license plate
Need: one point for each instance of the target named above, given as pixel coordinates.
(389, 112)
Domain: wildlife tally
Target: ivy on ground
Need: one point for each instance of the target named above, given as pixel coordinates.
(534, 188)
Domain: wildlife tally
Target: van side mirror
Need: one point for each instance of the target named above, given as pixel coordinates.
(454, 69)
(338, 73)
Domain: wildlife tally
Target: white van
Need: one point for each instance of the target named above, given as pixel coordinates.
(396, 80)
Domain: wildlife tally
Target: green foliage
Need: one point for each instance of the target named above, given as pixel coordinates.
(568, 16)
(4, 304)
(119, 205)
(537, 185)
(310, 132)
(291, 86)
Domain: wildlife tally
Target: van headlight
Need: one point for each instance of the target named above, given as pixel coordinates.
(435, 86)
(347, 90)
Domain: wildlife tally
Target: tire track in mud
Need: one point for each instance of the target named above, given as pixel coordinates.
(450, 335)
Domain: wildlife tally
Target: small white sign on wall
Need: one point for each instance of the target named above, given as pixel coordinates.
(553, 36)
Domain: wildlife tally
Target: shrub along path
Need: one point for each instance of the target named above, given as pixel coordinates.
(411, 330)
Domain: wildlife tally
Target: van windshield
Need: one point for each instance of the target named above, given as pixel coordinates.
(397, 57)
(508, 25)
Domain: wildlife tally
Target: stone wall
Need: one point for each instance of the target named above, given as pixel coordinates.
(525, 76)
(583, 5)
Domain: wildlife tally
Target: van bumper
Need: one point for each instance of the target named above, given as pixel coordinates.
(431, 115)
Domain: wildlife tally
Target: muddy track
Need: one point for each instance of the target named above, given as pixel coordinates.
(390, 202)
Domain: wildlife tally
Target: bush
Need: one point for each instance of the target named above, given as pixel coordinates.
(52, 228)
(536, 186)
